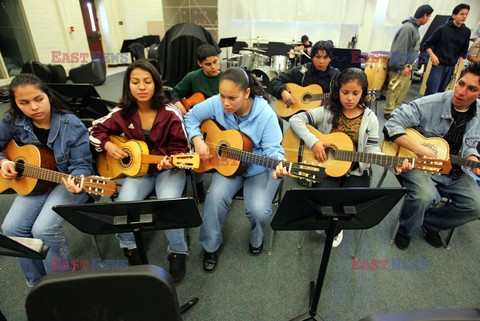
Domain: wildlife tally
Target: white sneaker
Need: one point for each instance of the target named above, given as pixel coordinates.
(338, 239)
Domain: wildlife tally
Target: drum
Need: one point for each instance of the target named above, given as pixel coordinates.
(265, 74)
(376, 70)
(246, 60)
(280, 63)
(233, 61)
(260, 60)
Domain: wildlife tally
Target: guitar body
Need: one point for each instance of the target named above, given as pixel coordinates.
(192, 100)
(215, 137)
(130, 166)
(28, 154)
(303, 98)
(333, 168)
(437, 144)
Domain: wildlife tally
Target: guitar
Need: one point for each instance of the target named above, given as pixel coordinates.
(341, 154)
(36, 171)
(231, 152)
(137, 162)
(437, 144)
(306, 98)
(192, 100)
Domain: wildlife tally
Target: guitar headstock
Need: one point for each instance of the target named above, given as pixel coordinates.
(432, 165)
(99, 185)
(371, 96)
(187, 161)
(308, 172)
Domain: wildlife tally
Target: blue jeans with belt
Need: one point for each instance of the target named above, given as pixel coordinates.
(424, 191)
(258, 193)
(167, 184)
(32, 216)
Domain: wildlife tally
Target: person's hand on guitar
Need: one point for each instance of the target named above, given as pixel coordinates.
(280, 171)
(405, 167)
(474, 158)
(114, 151)
(7, 169)
(201, 148)
(319, 151)
(181, 107)
(165, 164)
(71, 185)
(288, 98)
(426, 152)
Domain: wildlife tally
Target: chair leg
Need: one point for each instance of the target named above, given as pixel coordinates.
(270, 246)
(355, 253)
(95, 242)
(449, 237)
(300, 239)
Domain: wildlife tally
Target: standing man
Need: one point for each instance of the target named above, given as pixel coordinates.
(318, 71)
(204, 80)
(404, 52)
(447, 46)
(455, 116)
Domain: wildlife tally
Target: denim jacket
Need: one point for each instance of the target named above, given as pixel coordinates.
(68, 139)
(432, 117)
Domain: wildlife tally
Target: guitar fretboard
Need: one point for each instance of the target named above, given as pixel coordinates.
(383, 160)
(320, 96)
(462, 161)
(251, 158)
(45, 174)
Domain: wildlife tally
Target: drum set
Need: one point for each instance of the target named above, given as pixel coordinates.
(262, 66)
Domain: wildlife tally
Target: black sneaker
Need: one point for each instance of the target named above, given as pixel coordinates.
(432, 238)
(133, 256)
(255, 250)
(177, 267)
(210, 261)
(201, 192)
(402, 241)
(386, 116)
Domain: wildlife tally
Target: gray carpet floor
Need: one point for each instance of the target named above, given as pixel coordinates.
(275, 287)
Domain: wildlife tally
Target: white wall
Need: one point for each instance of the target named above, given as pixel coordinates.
(376, 21)
(49, 21)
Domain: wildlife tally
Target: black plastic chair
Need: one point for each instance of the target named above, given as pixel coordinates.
(143, 292)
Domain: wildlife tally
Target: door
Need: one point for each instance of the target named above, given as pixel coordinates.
(91, 28)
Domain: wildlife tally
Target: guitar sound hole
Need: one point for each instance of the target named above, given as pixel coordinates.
(125, 161)
(307, 98)
(19, 167)
(330, 153)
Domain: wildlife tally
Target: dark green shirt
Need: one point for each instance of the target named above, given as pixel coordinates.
(196, 81)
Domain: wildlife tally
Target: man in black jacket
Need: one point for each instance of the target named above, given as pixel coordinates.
(318, 71)
(446, 46)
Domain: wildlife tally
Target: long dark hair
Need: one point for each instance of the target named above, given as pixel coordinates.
(30, 79)
(345, 76)
(128, 103)
(245, 80)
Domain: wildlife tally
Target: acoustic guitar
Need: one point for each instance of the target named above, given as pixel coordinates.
(341, 154)
(192, 100)
(437, 144)
(231, 151)
(306, 98)
(137, 162)
(36, 173)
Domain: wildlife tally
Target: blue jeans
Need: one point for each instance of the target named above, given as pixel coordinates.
(258, 192)
(438, 79)
(167, 184)
(424, 191)
(32, 216)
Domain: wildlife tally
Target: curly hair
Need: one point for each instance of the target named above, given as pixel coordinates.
(346, 76)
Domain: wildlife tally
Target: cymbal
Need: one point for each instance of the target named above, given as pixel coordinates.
(254, 49)
(298, 53)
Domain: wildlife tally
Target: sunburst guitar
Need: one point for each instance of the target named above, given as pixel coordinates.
(306, 98)
(137, 162)
(341, 154)
(36, 173)
(231, 151)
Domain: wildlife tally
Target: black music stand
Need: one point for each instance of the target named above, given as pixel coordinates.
(132, 216)
(227, 42)
(23, 247)
(332, 209)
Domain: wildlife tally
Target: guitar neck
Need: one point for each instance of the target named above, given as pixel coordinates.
(378, 159)
(152, 159)
(47, 174)
(320, 96)
(465, 162)
(252, 158)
